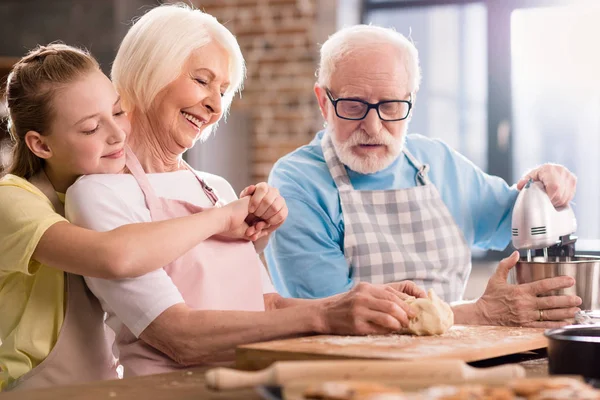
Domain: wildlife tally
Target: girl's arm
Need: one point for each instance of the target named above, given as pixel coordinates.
(134, 249)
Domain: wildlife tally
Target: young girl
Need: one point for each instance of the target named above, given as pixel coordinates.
(66, 120)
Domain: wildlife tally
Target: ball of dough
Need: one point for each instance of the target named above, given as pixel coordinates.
(434, 315)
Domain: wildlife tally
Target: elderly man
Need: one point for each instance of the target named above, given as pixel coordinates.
(370, 203)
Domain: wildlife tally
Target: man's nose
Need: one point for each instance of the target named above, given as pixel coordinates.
(371, 124)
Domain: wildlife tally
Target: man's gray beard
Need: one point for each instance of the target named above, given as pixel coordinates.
(368, 164)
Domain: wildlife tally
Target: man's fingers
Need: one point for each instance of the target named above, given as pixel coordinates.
(556, 193)
(549, 284)
(533, 175)
(522, 182)
(557, 314)
(573, 188)
(568, 189)
(549, 302)
(558, 181)
(546, 324)
(505, 265)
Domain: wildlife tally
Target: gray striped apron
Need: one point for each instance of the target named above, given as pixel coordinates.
(401, 234)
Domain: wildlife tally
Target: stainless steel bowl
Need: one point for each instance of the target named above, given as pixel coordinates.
(584, 269)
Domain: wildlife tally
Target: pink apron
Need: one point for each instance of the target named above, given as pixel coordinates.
(82, 352)
(217, 274)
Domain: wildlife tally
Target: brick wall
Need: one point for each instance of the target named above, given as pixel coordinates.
(279, 40)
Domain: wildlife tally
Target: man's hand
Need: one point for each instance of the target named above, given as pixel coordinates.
(559, 182)
(366, 309)
(519, 305)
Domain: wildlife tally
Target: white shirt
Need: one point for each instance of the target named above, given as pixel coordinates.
(104, 202)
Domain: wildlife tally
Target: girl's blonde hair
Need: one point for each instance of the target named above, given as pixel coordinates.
(31, 87)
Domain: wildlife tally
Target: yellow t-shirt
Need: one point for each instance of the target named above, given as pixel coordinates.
(31, 294)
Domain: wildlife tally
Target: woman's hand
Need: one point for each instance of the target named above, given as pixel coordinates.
(366, 309)
(406, 289)
(267, 207)
(237, 220)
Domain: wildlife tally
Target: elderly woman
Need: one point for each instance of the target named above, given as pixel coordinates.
(177, 71)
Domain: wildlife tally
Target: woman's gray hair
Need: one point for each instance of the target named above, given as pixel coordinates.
(157, 46)
(346, 40)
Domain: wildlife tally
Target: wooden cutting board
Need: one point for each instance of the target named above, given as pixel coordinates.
(467, 343)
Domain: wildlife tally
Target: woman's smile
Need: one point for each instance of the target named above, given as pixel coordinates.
(194, 121)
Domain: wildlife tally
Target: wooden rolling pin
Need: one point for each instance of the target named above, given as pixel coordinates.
(422, 372)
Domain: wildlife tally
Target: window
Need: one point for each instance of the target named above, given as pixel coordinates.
(452, 101)
(556, 101)
(510, 84)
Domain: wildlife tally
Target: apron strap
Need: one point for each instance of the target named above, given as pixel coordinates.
(421, 177)
(134, 166)
(41, 181)
(209, 191)
(336, 168)
(152, 201)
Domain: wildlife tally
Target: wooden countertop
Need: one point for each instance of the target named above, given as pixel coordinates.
(190, 385)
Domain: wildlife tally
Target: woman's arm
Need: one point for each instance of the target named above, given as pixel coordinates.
(192, 337)
(134, 249)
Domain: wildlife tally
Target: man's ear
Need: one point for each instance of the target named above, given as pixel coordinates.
(413, 100)
(322, 99)
(38, 145)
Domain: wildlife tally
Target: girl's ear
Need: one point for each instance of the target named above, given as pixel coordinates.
(38, 145)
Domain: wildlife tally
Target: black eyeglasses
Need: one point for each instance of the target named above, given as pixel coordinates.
(355, 109)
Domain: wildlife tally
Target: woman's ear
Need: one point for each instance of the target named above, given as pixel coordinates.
(38, 145)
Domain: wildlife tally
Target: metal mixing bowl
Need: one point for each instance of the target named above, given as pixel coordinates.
(584, 269)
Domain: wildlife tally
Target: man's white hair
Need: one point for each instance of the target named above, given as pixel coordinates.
(348, 40)
(157, 46)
